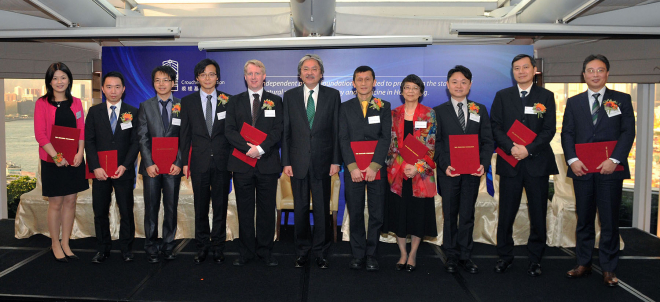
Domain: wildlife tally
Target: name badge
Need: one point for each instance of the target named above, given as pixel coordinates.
(176, 121)
(126, 125)
(420, 124)
(222, 115)
(269, 113)
(374, 119)
(613, 113)
(475, 118)
(529, 110)
(78, 115)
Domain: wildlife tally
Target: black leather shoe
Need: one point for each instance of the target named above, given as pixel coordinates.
(201, 256)
(468, 266)
(153, 258)
(218, 257)
(169, 255)
(322, 262)
(71, 257)
(400, 266)
(501, 266)
(534, 269)
(99, 257)
(128, 256)
(372, 264)
(240, 261)
(410, 268)
(451, 266)
(63, 259)
(301, 261)
(271, 261)
(356, 263)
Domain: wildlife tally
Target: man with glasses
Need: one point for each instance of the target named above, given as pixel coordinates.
(598, 115)
(203, 126)
(158, 119)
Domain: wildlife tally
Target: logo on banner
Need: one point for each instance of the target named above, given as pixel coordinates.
(175, 66)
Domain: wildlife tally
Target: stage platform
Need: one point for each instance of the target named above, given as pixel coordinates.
(29, 272)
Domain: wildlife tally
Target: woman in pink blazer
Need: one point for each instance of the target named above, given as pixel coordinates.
(61, 180)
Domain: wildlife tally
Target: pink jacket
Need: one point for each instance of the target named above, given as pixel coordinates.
(44, 119)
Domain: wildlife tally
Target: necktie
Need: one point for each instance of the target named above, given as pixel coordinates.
(113, 119)
(594, 108)
(523, 99)
(310, 109)
(209, 114)
(164, 115)
(364, 108)
(255, 108)
(461, 116)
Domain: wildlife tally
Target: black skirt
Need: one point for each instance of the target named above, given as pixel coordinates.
(409, 215)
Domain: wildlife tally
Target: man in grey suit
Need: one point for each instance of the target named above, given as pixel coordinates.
(159, 117)
(310, 156)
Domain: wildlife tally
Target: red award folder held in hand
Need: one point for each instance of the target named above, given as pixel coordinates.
(520, 135)
(593, 154)
(108, 161)
(253, 136)
(412, 150)
(364, 152)
(163, 152)
(464, 153)
(65, 141)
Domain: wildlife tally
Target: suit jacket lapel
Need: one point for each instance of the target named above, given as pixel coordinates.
(118, 126)
(320, 108)
(157, 114)
(218, 108)
(601, 111)
(583, 103)
(452, 113)
(172, 117)
(104, 117)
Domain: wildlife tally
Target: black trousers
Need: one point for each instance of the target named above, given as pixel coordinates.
(318, 242)
(511, 189)
(167, 186)
(459, 195)
(211, 189)
(101, 199)
(604, 195)
(259, 243)
(364, 242)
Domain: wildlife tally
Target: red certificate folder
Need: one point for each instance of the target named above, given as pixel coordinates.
(520, 135)
(464, 153)
(65, 141)
(364, 152)
(163, 152)
(412, 149)
(593, 154)
(108, 161)
(253, 136)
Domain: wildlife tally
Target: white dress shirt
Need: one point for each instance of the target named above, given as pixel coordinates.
(214, 101)
(465, 109)
(118, 105)
(251, 97)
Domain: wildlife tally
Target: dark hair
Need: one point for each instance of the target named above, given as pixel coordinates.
(169, 71)
(363, 69)
(598, 57)
(199, 68)
(50, 73)
(462, 69)
(113, 74)
(413, 78)
(522, 56)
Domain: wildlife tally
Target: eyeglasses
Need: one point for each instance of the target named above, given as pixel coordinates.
(159, 81)
(412, 88)
(599, 71)
(207, 75)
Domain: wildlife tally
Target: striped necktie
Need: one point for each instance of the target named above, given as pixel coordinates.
(594, 108)
(113, 119)
(461, 116)
(310, 109)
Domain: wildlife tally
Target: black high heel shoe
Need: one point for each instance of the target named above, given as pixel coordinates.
(401, 266)
(63, 259)
(72, 256)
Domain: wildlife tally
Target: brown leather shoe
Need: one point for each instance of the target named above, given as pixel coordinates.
(610, 279)
(579, 271)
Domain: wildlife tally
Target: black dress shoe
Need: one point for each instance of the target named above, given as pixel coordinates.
(240, 261)
(63, 259)
(468, 266)
(153, 258)
(99, 257)
(356, 263)
(218, 257)
(372, 264)
(201, 256)
(410, 268)
(322, 262)
(301, 261)
(400, 266)
(169, 255)
(501, 266)
(534, 269)
(451, 266)
(70, 257)
(128, 256)
(270, 261)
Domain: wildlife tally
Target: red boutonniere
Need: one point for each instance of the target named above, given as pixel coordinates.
(126, 117)
(376, 103)
(611, 105)
(223, 99)
(473, 108)
(268, 104)
(176, 109)
(420, 166)
(539, 109)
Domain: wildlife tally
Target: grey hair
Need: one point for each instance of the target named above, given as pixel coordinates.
(312, 57)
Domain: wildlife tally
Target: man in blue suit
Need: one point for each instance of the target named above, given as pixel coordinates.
(588, 120)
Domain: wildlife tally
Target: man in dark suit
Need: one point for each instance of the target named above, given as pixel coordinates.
(203, 115)
(365, 118)
(460, 116)
(262, 110)
(598, 115)
(160, 117)
(310, 156)
(110, 126)
(534, 107)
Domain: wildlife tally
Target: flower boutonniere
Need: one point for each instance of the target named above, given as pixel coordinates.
(610, 105)
(268, 104)
(473, 108)
(376, 103)
(176, 108)
(127, 117)
(539, 109)
(223, 99)
(420, 166)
